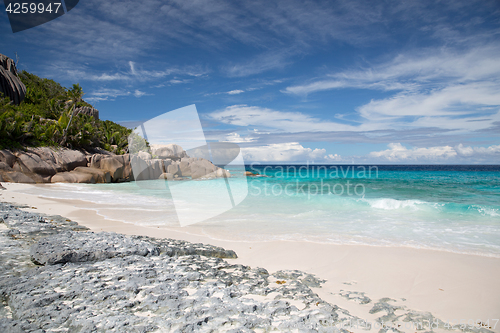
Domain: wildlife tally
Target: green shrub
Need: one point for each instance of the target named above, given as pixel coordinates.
(42, 118)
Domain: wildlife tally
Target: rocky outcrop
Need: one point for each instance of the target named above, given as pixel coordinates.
(39, 165)
(114, 165)
(49, 165)
(7, 157)
(170, 151)
(100, 176)
(20, 177)
(73, 177)
(105, 282)
(10, 84)
(87, 110)
(71, 246)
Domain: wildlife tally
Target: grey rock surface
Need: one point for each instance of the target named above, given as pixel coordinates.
(142, 284)
(71, 246)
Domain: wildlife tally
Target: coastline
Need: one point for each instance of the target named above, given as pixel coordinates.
(451, 286)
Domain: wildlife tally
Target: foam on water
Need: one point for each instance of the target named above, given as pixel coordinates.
(456, 211)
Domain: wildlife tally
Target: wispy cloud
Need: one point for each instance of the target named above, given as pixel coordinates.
(111, 94)
(132, 73)
(261, 63)
(231, 92)
(441, 88)
(281, 121)
(432, 68)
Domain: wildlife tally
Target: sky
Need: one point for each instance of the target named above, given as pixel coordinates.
(372, 82)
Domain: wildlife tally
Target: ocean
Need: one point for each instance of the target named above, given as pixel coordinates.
(453, 208)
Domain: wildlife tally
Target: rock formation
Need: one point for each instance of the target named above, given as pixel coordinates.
(49, 165)
(87, 111)
(170, 151)
(10, 84)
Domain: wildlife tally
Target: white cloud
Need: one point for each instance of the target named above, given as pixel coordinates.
(111, 94)
(396, 153)
(138, 93)
(235, 92)
(435, 68)
(435, 88)
(133, 73)
(236, 138)
(106, 94)
(314, 87)
(437, 154)
(260, 63)
(283, 152)
(478, 151)
(244, 115)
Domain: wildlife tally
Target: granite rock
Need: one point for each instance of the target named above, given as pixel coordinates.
(10, 84)
(73, 246)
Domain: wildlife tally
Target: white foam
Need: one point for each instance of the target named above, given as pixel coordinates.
(391, 204)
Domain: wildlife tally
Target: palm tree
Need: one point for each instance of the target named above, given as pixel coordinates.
(75, 96)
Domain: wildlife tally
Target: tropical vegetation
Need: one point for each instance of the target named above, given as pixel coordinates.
(46, 117)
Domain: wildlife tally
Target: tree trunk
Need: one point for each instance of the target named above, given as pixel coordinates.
(65, 132)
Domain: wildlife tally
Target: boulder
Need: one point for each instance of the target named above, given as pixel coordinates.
(95, 160)
(144, 155)
(140, 168)
(114, 165)
(171, 151)
(70, 159)
(202, 168)
(35, 164)
(127, 168)
(20, 177)
(100, 176)
(167, 162)
(4, 166)
(73, 177)
(20, 167)
(7, 157)
(185, 169)
(166, 176)
(155, 168)
(89, 111)
(10, 84)
(220, 173)
(173, 169)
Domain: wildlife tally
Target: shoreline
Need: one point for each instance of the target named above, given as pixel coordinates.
(451, 286)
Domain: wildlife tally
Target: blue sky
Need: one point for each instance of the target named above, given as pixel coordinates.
(289, 81)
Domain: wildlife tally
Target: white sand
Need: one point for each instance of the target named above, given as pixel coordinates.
(451, 286)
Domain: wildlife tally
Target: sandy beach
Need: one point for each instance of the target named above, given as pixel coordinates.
(453, 287)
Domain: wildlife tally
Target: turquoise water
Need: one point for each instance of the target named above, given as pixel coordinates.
(449, 208)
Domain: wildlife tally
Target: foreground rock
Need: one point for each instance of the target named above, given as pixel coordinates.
(73, 246)
(106, 282)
